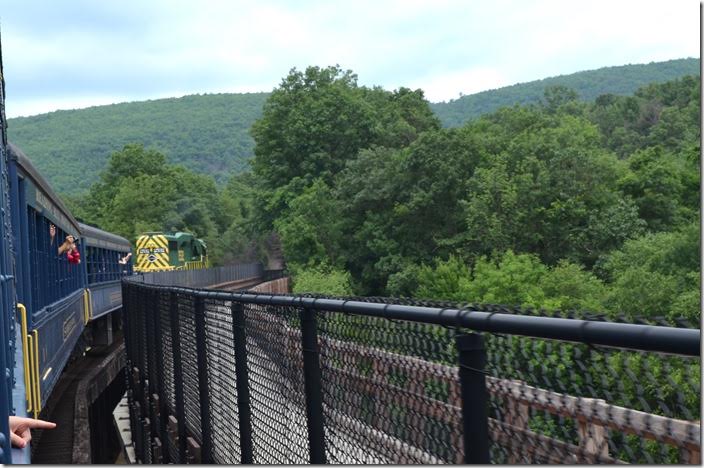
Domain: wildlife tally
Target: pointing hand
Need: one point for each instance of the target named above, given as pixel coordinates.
(19, 429)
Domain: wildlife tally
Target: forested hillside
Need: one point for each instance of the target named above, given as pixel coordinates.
(560, 204)
(207, 133)
(589, 85)
(210, 133)
(563, 204)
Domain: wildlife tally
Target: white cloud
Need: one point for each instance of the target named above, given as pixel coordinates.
(79, 52)
(31, 107)
(447, 86)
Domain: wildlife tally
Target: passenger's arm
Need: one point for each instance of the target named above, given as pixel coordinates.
(66, 245)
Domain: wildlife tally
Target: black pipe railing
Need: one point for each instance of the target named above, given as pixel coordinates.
(652, 338)
(324, 380)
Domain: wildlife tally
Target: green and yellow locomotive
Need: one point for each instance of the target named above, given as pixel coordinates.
(160, 251)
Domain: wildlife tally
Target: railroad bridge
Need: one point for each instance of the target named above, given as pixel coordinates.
(244, 372)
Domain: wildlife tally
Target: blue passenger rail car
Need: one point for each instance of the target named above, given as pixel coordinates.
(46, 301)
(7, 294)
(51, 290)
(104, 270)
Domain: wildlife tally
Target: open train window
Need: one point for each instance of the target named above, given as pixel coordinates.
(52, 276)
(104, 265)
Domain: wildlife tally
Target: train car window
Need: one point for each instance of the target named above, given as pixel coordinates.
(104, 265)
(33, 267)
(99, 265)
(110, 255)
(90, 264)
(96, 264)
(52, 276)
(115, 264)
(102, 276)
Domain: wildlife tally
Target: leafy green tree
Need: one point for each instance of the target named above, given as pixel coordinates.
(446, 280)
(558, 96)
(669, 253)
(655, 183)
(312, 123)
(140, 192)
(311, 230)
(318, 120)
(506, 279)
(143, 200)
(366, 191)
(568, 286)
(321, 279)
(552, 192)
(655, 275)
(665, 114)
(401, 206)
(639, 291)
(129, 163)
(513, 279)
(509, 279)
(497, 214)
(400, 116)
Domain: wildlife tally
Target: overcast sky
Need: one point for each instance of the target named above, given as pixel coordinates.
(65, 54)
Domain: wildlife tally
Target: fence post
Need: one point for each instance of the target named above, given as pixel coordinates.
(472, 359)
(152, 381)
(313, 386)
(203, 391)
(178, 378)
(242, 383)
(159, 398)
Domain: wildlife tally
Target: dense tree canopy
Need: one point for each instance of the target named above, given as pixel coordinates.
(561, 204)
(539, 205)
(140, 192)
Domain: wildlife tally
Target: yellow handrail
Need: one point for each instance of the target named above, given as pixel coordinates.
(87, 306)
(195, 265)
(26, 357)
(90, 304)
(37, 394)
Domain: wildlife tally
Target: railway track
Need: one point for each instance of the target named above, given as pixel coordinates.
(236, 285)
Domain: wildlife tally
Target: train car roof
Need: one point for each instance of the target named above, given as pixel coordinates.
(55, 208)
(95, 237)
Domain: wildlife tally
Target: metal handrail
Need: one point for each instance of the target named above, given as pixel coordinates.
(662, 339)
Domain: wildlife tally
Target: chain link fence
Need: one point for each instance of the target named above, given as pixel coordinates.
(234, 377)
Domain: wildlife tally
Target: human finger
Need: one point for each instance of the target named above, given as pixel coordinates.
(17, 441)
(39, 424)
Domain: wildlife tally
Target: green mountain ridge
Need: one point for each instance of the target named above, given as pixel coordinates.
(209, 133)
(619, 80)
